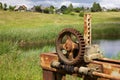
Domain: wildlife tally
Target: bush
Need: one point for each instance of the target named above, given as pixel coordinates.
(72, 13)
(81, 14)
(46, 10)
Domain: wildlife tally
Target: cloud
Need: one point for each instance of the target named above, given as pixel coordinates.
(59, 3)
(110, 3)
(28, 3)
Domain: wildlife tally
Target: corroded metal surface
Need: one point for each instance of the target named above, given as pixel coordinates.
(48, 75)
(87, 29)
(105, 76)
(103, 69)
(92, 52)
(70, 46)
(109, 67)
(46, 59)
(80, 57)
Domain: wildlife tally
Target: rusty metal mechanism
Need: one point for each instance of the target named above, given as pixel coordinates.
(76, 56)
(70, 46)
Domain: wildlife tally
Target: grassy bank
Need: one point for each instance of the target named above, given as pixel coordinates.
(22, 65)
(29, 27)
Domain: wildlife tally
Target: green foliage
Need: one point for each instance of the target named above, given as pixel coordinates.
(72, 13)
(44, 9)
(63, 9)
(11, 8)
(38, 8)
(1, 6)
(78, 9)
(52, 9)
(20, 65)
(5, 6)
(70, 8)
(114, 10)
(81, 14)
(96, 7)
(47, 10)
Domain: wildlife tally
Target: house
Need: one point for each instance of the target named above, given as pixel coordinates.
(20, 8)
(104, 9)
(33, 9)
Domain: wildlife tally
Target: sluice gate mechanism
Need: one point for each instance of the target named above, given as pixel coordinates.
(76, 56)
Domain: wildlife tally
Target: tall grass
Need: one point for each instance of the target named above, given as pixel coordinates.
(37, 27)
(22, 65)
(32, 34)
(106, 31)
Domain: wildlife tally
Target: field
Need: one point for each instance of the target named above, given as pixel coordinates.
(24, 35)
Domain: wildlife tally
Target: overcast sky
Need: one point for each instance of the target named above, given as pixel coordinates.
(58, 3)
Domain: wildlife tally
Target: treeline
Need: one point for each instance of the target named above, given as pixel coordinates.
(96, 7)
(6, 7)
(63, 9)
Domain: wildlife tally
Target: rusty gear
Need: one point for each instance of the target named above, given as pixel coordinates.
(74, 49)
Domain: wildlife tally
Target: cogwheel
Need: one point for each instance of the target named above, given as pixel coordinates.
(70, 46)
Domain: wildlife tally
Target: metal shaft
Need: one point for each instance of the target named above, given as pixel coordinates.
(105, 76)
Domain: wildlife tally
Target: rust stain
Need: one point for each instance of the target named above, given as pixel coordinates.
(87, 29)
(46, 59)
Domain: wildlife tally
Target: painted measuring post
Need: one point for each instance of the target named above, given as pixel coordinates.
(87, 29)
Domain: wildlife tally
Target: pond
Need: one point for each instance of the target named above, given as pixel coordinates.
(110, 48)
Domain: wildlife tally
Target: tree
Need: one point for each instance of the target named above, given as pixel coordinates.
(38, 8)
(70, 8)
(63, 9)
(1, 6)
(5, 6)
(47, 10)
(52, 8)
(77, 9)
(96, 7)
(11, 8)
(82, 8)
(99, 7)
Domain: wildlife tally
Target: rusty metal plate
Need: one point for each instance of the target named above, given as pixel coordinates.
(109, 67)
(46, 59)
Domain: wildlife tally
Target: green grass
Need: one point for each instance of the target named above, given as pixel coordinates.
(41, 29)
(29, 26)
(22, 65)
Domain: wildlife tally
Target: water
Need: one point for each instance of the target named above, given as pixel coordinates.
(110, 48)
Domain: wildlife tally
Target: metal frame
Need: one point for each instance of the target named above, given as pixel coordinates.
(97, 69)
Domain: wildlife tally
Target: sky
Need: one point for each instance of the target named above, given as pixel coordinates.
(58, 3)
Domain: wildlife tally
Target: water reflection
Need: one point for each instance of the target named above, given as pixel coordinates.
(110, 48)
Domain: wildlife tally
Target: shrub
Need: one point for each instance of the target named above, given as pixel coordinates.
(46, 10)
(72, 13)
(81, 14)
